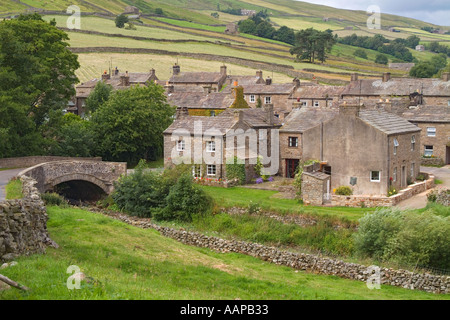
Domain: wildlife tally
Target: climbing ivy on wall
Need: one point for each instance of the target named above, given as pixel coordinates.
(298, 175)
(239, 101)
(236, 170)
(204, 112)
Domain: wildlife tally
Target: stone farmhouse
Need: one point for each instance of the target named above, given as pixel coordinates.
(428, 91)
(116, 79)
(369, 149)
(317, 96)
(435, 135)
(212, 147)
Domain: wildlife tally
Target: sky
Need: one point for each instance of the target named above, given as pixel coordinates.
(433, 11)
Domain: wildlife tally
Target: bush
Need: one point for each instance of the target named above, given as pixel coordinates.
(344, 191)
(236, 170)
(405, 238)
(381, 59)
(392, 191)
(121, 20)
(360, 53)
(53, 199)
(184, 200)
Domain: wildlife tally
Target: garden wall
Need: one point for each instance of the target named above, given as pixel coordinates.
(432, 162)
(25, 162)
(383, 201)
(302, 261)
(23, 224)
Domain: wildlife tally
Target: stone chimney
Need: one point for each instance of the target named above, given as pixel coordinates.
(125, 80)
(268, 81)
(182, 112)
(223, 70)
(168, 87)
(354, 77)
(386, 76)
(152, 72)
(176, 69)
(351, 110)
(297, 105)
(259, 74)
(446, 76)
(268, 108)
(106, 76)
(238, 115)
(296, 82)
(384, 105)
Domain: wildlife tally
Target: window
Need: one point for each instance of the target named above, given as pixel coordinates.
(252, 98)
(428, 151)
(375, 176)
(293, 142)
(211, 170)
(431, 131)
(210, 146)
(395, 146)
(181, 145)
(197, 171)
(412, 170)
(212, 113)
(267, 100)
(413, 142)
(395, 175)
(304, 104)
(316, 103)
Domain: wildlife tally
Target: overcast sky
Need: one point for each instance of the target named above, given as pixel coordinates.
(433, 11)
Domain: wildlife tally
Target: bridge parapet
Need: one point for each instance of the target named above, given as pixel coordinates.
(50, 174)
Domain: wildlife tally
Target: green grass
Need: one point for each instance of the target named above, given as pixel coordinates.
(14, 189)
(125, 262)
(188, 24)
(437, 181)
(240, 196)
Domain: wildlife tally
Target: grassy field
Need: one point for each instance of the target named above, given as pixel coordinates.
(124, 262)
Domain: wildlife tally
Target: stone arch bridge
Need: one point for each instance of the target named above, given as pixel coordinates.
(50, 174)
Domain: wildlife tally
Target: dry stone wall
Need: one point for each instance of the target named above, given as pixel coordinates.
(302, 261)
(24, 162)
(23, 224)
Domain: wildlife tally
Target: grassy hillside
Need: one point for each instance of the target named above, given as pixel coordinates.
(124, 262)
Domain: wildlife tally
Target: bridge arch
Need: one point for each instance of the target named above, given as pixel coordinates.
(78, 176)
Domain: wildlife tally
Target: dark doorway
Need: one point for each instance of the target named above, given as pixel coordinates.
(291, 166)
(448, 155)
(79, 190)
(327, 170)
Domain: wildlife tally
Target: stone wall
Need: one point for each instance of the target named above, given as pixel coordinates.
(23, 224)
(431, 162)
(25, 162)
(302, 261)
(383, 201)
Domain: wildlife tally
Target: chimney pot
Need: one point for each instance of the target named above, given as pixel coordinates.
(296, 82)
(354, 77)
(176, 69)
(268, 108)
(386, 76)
(268, 81)
(259, 74)
(223, 70)
(181, 112)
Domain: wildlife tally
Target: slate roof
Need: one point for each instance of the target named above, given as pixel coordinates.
(318, 92)
(387, 122)
(246, 80)
(300, 120)
(254, 117)
(399, 87)
(196, 77)
(201, 100)
(274, 88)
(428, 114)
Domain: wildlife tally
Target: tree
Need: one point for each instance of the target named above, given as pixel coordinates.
(439, 62)
(121, 19)
(412, 41)
(285, 34)
(130, 124)
(422, 70)
(265, 30)
(159, 11)
(247, 26)
(37, 74)
(98, 96)
(360, 53)
(381, 59)
(311, 44)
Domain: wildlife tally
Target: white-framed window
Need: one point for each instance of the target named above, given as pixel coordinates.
(252, 98)
(293, 142)
(210, 146)
(197, 170)
(211, 169)
(396, 144)
(212, 113)
(428, 151)
(395, 175)
(375, 176)
(267, 100)
(181, 145)
(413, 142)
(431, 131)
(316, 103)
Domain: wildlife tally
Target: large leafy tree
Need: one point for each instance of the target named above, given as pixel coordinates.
(311, 44)
(37, 74)
(130, 124)
(98, 96)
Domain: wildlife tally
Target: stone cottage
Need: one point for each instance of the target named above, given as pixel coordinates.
(197, 81)
(435, 135)
(201, 103)
(367, 149)
(318, 96)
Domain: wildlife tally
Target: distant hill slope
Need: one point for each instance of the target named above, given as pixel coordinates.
(200, 10)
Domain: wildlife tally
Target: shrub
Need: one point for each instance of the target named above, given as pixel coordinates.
(184, 200)
(121, 20)
(344, 191)
(236, 170)
(360, 53)
(421, 177)
(431, 196)
(259, 180)
(253, 208)
(53, 199)
(381, 59)
(392, 191)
